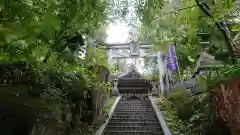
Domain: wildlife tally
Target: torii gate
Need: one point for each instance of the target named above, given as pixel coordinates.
(129, 50)
(138, 50)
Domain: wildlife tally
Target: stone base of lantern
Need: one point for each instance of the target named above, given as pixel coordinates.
(115, 92)
(154, 92)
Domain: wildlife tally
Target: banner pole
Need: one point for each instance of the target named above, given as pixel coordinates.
(179, 73)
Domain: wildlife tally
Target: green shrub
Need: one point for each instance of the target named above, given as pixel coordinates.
(19, 109)
(185, 114)
(182, 103)
(107, 108)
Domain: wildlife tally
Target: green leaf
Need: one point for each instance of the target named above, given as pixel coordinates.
(236, 28)
(1, 4)
(3, 31)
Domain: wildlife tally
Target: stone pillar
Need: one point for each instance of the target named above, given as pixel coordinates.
(110, 61)
(154, 89)
(161, 74)
(115, 91)
(149, 93)
(167, 75)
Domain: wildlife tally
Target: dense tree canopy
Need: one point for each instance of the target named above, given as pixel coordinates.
(179, 22)
(41, 46)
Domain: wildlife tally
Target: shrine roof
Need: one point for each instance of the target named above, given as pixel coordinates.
(132, 73)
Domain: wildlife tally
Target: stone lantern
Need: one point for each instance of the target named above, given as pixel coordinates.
(154, 83)
(204, 40)
(115, 89)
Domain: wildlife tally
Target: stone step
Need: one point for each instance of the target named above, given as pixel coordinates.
(134, 117)
(133, 128)
(133, 133)
(136, 104)
(135, 123)
(149, 111)
(133, 108)
(133, 103)
(134, 113)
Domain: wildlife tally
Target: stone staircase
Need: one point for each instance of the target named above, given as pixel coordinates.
(134, 117)
(134, 113)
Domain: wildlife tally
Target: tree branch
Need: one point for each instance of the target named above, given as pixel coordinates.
(177, 10)
(220, 25)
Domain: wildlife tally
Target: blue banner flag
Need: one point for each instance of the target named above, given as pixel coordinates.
(172, 59)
